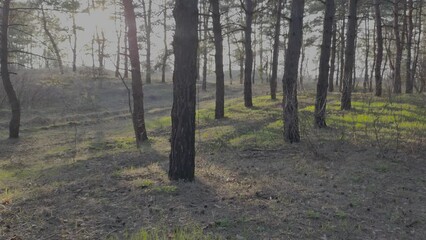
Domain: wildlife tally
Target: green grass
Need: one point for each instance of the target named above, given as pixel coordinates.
(183, 233)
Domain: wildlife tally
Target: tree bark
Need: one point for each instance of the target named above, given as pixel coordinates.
(349, 56)
(205, 43)
(52, 40)
(15, 121)
(321, 99)
(379, 55)
(367, 52)
(126, 51)
(295, 35)
(148, 30)
(409, 74)
(399, 49)
(277, 33)
(248, 66)
(74, 48)
(138, 105)
(164, 63)
(220, 77)
(333, 57)
(182, 156)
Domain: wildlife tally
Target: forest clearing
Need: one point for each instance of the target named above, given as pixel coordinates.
(212, 119)
(80, 176)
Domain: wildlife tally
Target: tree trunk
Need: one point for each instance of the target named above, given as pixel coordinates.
(205, 43)
(138, 106)
(277, 33)
(367, 52)
(52, 40)
(253, 74)
(74, 48)
(126, 52)
(410, 74)
(228, 38)
(248, 68)
(241, 58)
(417, 44)
(295, 35)
(321, 99)
(164, 63)
(182, 156)
(399, 49)
(148, 30)
(8, 87)
(349, 56)
(220, 77)
(342, 48)
(379, 55)
(333, 57)
(302, 60)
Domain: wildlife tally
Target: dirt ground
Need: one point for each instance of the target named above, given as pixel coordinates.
(75, 174)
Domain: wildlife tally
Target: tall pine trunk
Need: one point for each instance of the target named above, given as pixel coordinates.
(248, 66)
(346, 102)
(15, 121)
(333, 57)
(409, 72)
(399, 49)
(138, 106)
(220, 77)
(295, 35)
(148, 31)
(379, 54)
(164, 63)
(205, 47)
(182, 156)
(276, 51)
(321, 99)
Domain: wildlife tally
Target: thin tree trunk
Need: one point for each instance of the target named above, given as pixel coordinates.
(291, 118)
(205, 43)
(148, 30)
(242, 60)
(409, 73)
(52, 40)
(182, 156)
(74, 48)
(417, 44)
(249, 9)
(346, 102)
(229, 58)
(302, 60)
(333, 57)
(399, 49)
(253, 75)
(342, 48)
(379, 55)
(138, 105)
(15, 121)
(367, 52)
(118, 33)
(321, 99)
(277, 33)
(370, 84)
(220, 77)
(126, 52)
(164, 63)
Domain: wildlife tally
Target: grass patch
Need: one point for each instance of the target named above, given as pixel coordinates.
(182, 233)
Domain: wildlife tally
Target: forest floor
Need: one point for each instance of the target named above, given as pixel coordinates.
(75, 172)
